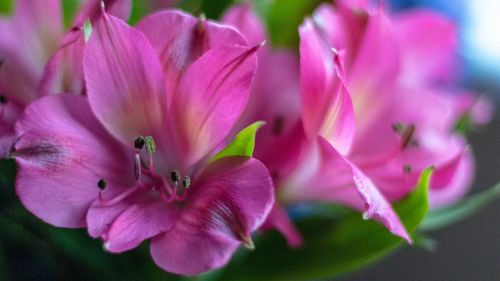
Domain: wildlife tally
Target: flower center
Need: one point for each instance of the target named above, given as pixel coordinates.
(170, 187)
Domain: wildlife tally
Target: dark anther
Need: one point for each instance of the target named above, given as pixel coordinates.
(175, 176)
(278, 125)
(139, 142)
(407, 136)
(407, 169)
(186, 182)
(101, 184)
(3, 99)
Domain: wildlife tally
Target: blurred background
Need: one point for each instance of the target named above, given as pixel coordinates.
(468, 250)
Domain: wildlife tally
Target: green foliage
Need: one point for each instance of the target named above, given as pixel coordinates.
(70, 8)
(285, 16)
(460, 210)
(6, 7)
(243, 144)
(331, 247)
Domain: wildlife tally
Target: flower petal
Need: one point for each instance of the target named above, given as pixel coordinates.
(212, 95)
(326, 104)
(179, 39)
(375, 68)
(243, 18)
(92, 10)
(62, 156)
(428, 46)
(28, 40)
(64, 71)
(124, 81)
(279, 219)
(138, 222)
(327, 176)
(230, 199)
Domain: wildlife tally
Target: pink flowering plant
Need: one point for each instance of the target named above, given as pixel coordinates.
(280, 140)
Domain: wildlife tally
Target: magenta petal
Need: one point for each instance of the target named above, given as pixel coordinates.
(62, 156)
(428, 44)
(27, 41)
(375, 68)
(64, 71)
(278, 219)
(229, 200)
(327, 108)
(179, 39)
(372, 200)
(327, 176)
(124, 81)
(458, 186)
(212, 95)
(243, 18)
(92, 10)
(139, 222)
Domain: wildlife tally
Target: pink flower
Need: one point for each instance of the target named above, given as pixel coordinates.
(357, 134)
(28, 41)
(395, 69)
(131, 161)
(360, 69)
(296, 162)
(275, 100)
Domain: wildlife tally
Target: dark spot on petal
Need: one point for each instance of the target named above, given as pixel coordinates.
(45, 154)
(407, 169)
(278, 125)
(102, 184)
(3, 99)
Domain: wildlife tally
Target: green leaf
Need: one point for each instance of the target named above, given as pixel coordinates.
(6, 7)
(465, 208)
(331, 247)
(243, 144)
(285, 16)
(70, 7)
(7, 173)
(140, 8)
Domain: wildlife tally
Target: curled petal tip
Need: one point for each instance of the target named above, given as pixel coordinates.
(261, 44)
(247, 242)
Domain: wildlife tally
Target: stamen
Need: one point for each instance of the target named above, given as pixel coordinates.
(118, 198)
(407, 169)
(101, 184)
(137, 167)
(139, 142)
(186, 182)
(407, 136)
